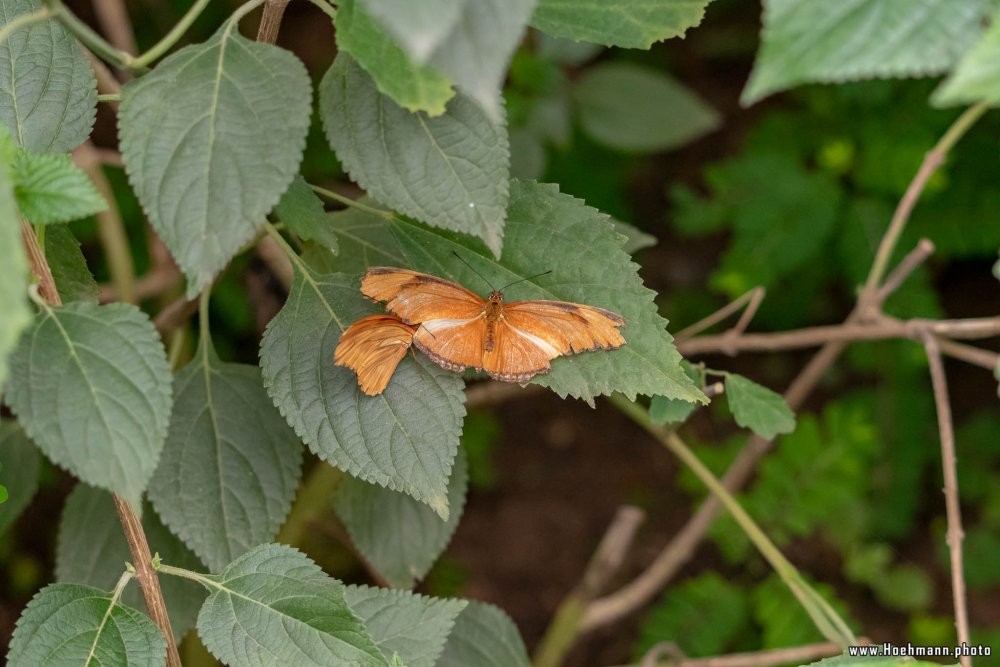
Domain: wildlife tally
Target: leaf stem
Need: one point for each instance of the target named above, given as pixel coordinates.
(91, 39)
(822, 614)
(326, 8)
(173, 36)
(352, 203)
(204, 332)
(311, 503)
(120, 586)
(24, 20)
(288, 250)
(110, 97)
(187, 574)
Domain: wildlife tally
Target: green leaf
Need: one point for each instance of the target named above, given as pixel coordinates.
(833, 42)
(664, 410)
(450, 171)
(230, 465)
(629, 23)
(412, 86)
(48, 94)
(14, 286)
(274, 606)
(211, 139)
(847, 660)
(411, 626)
(702, 615)
(476, 52)
(419, 27)
(484, 636)
(91, 550)
(545, 230)
(404, 439)
(758, 408)
(19, 474)
(639, 109)
(69, 267)
(92, 389)
(51, 188)
(68, 624)
(976, 78)
(303, 212)
(398, 536)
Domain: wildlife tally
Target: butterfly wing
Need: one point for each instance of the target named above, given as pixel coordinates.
(420, 297)
(531, 333)
(372, 347)
(453, 343)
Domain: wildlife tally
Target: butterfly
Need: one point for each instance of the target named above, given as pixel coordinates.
(512, 342)
(372, 347)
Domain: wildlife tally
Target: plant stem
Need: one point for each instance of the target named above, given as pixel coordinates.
(173, 36)
(326, 8)
(347, 201)
(110, 97)
(946, 431)
(270, 22)
(24, 20)
(120, 586)
(311, 504)
(931, 162)
(91, 39)
(187, 574)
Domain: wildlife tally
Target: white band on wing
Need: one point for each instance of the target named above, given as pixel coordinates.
(545, 346)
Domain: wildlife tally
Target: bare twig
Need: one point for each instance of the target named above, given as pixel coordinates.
(106, 80)
(134, 535)
(175, 314)
(902, 271)
(880, 329)
(114, 21)
(779, 656)
(753, 298)
(973, 355)
(953, 511)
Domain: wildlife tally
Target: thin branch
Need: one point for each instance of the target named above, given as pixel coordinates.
(953, 511)
(174, 36)
(972, 355)
(753, 297)
(174, 315)
(91, 39)
(880, 329)
(914, 259)
(113, 18)
(778, 656)
(131, 525)
(142, 560)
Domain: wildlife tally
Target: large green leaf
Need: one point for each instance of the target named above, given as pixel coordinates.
(404, 438)
(274, 606)
(977, 76)
(302, 211)
(635, 108)
(410, 85)
(68, 624)
(230, 465)
(450, 171)
(545, 230)
(48, 94)
(19, 462)
(211, 139)
(476, 52)
(69, 268)
(13, 263)
(51, 188)
(758, 408)
(634, 24)
(419, 27)
(484, 636)
(91, 386)
(831, 42)
(411, 626)
(91, 550)
(398, 536)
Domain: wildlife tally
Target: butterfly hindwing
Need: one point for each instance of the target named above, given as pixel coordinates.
(453, 343)
(372, 347)
(567, 327)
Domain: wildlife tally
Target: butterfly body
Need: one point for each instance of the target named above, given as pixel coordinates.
(511, 342)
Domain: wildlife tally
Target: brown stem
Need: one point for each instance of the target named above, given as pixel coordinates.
(779, 656)
(134, 534)
(270, 22)
(947, 432)
(113, 18)
(753, 297)
(147, 577)
(171, 317)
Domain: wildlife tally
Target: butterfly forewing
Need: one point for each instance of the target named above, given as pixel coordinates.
(372, 347)
(419, 297)
(567, 327)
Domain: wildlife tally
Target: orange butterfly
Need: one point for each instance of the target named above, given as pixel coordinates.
(372, 347)
(510, 341)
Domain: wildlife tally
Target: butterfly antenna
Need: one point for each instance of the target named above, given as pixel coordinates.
(473, 270)
(537, 275)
